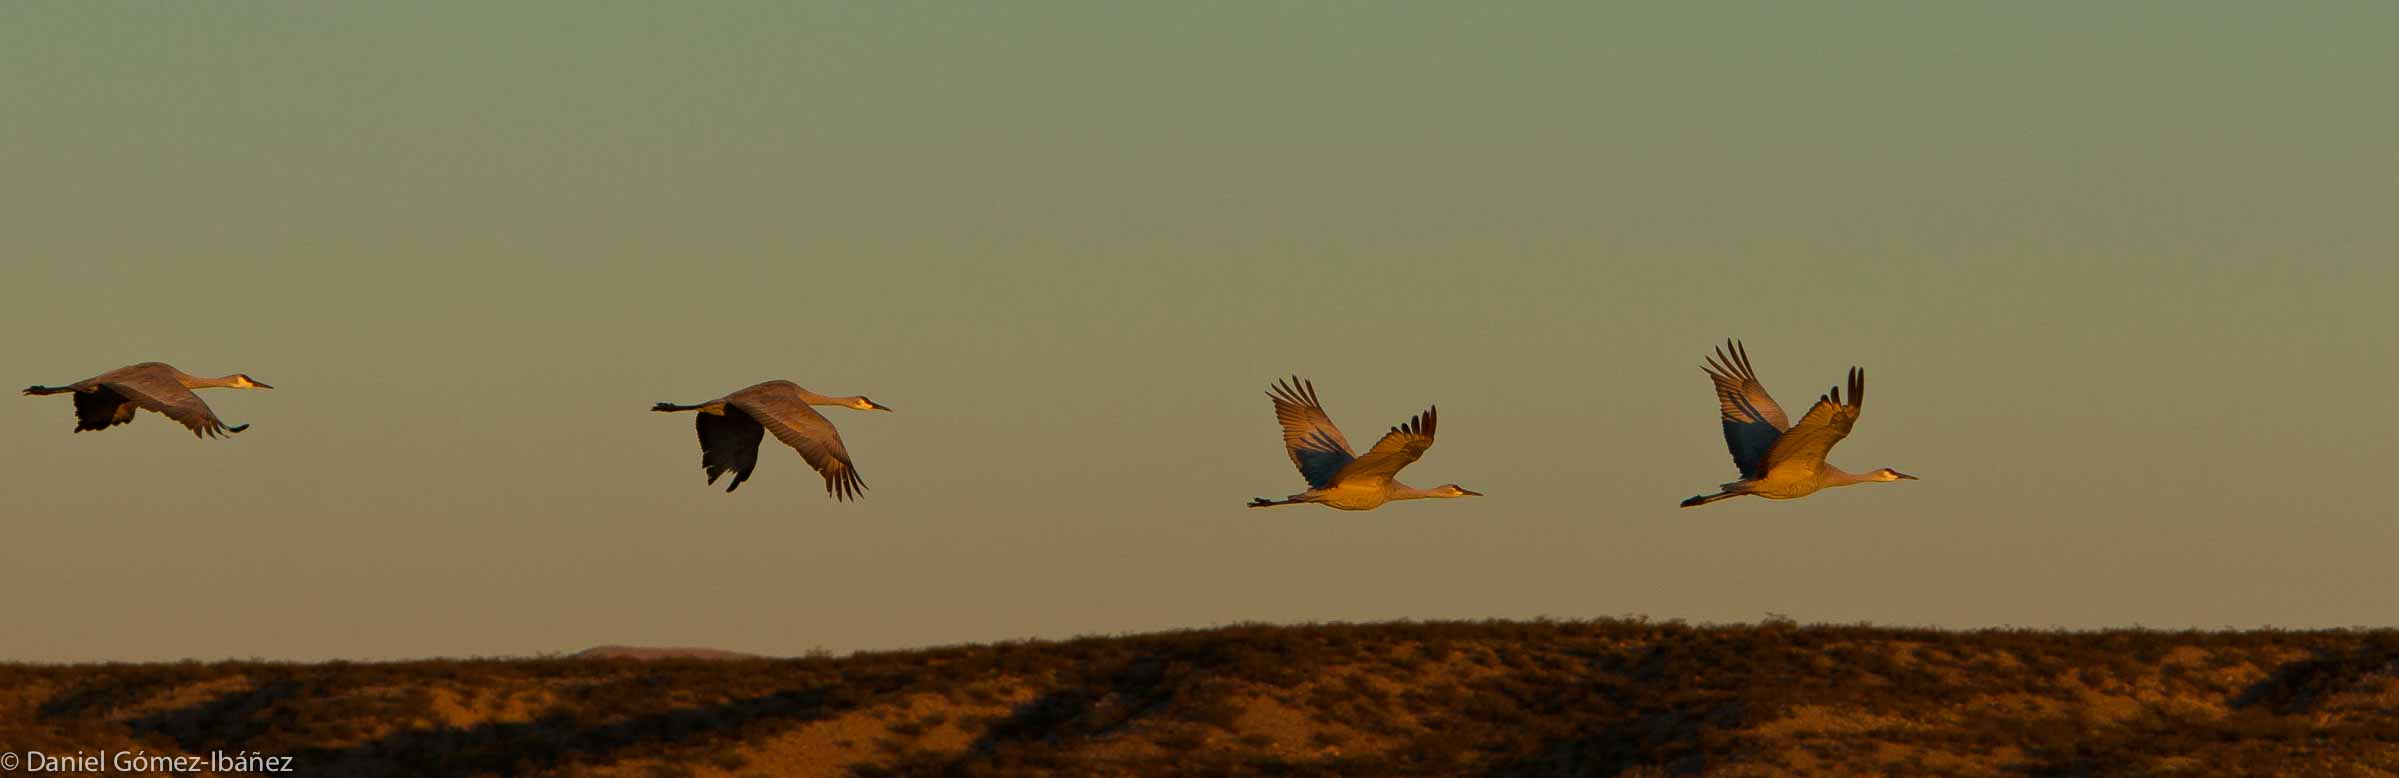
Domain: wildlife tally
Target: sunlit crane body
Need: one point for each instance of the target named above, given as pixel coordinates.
(732, 426)
(1337, 476)
(1780, 460)
(109, 399)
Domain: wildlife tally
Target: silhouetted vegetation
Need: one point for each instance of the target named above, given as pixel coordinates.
(1605, 698)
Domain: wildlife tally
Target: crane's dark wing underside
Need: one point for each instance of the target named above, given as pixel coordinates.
(1315, 445)
(1320, 460)
(729, 442)
(101, 408)
(1752, 420)
(1750, 441)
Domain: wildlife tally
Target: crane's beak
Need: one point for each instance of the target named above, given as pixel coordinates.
(257, 384)
(1903, 476)
(1469, 492)
(877, 406)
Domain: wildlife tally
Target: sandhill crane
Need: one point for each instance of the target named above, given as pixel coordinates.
(1338, 477)
(732, 426)
(1779, 460)
(109, 399)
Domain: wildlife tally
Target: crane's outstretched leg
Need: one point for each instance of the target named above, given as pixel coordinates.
(1709, 498)
(671, 407)
(38, 391)
(1261, 502)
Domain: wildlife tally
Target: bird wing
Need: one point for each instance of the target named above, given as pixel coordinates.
(1806, 443)
(1752, 420)
(101, 408)
(729, 441)
(1404, 444)
(167, 396)
(803, 429)
(1315, 445)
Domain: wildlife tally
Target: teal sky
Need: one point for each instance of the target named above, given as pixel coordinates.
(2120, 276)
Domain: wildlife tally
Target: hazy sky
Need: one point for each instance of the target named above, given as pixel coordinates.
(2120, 275)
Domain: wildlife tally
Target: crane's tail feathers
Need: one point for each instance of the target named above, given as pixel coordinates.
(1709, 498)
(37, 391)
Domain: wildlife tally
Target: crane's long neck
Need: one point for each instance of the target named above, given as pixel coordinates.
(1400, 491)
(820, 399)
(198, 382)
(1834, 476)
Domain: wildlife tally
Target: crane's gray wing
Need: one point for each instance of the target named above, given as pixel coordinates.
(1806, 443)
(101, 408)
(1315, 445)
(1752, 420)
(1401, 446)
(803, 429)
(729, 441)
(168, 397)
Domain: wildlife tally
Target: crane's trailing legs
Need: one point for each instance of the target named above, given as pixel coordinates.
(1709, 498)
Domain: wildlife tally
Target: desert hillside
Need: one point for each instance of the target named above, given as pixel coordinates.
(1599, 698)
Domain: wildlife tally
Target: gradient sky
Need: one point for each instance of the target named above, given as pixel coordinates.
(2121, 276)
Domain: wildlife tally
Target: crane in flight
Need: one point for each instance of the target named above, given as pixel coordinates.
(1339, 477)
(109, 399)
(732, 426)
(1780, 460)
